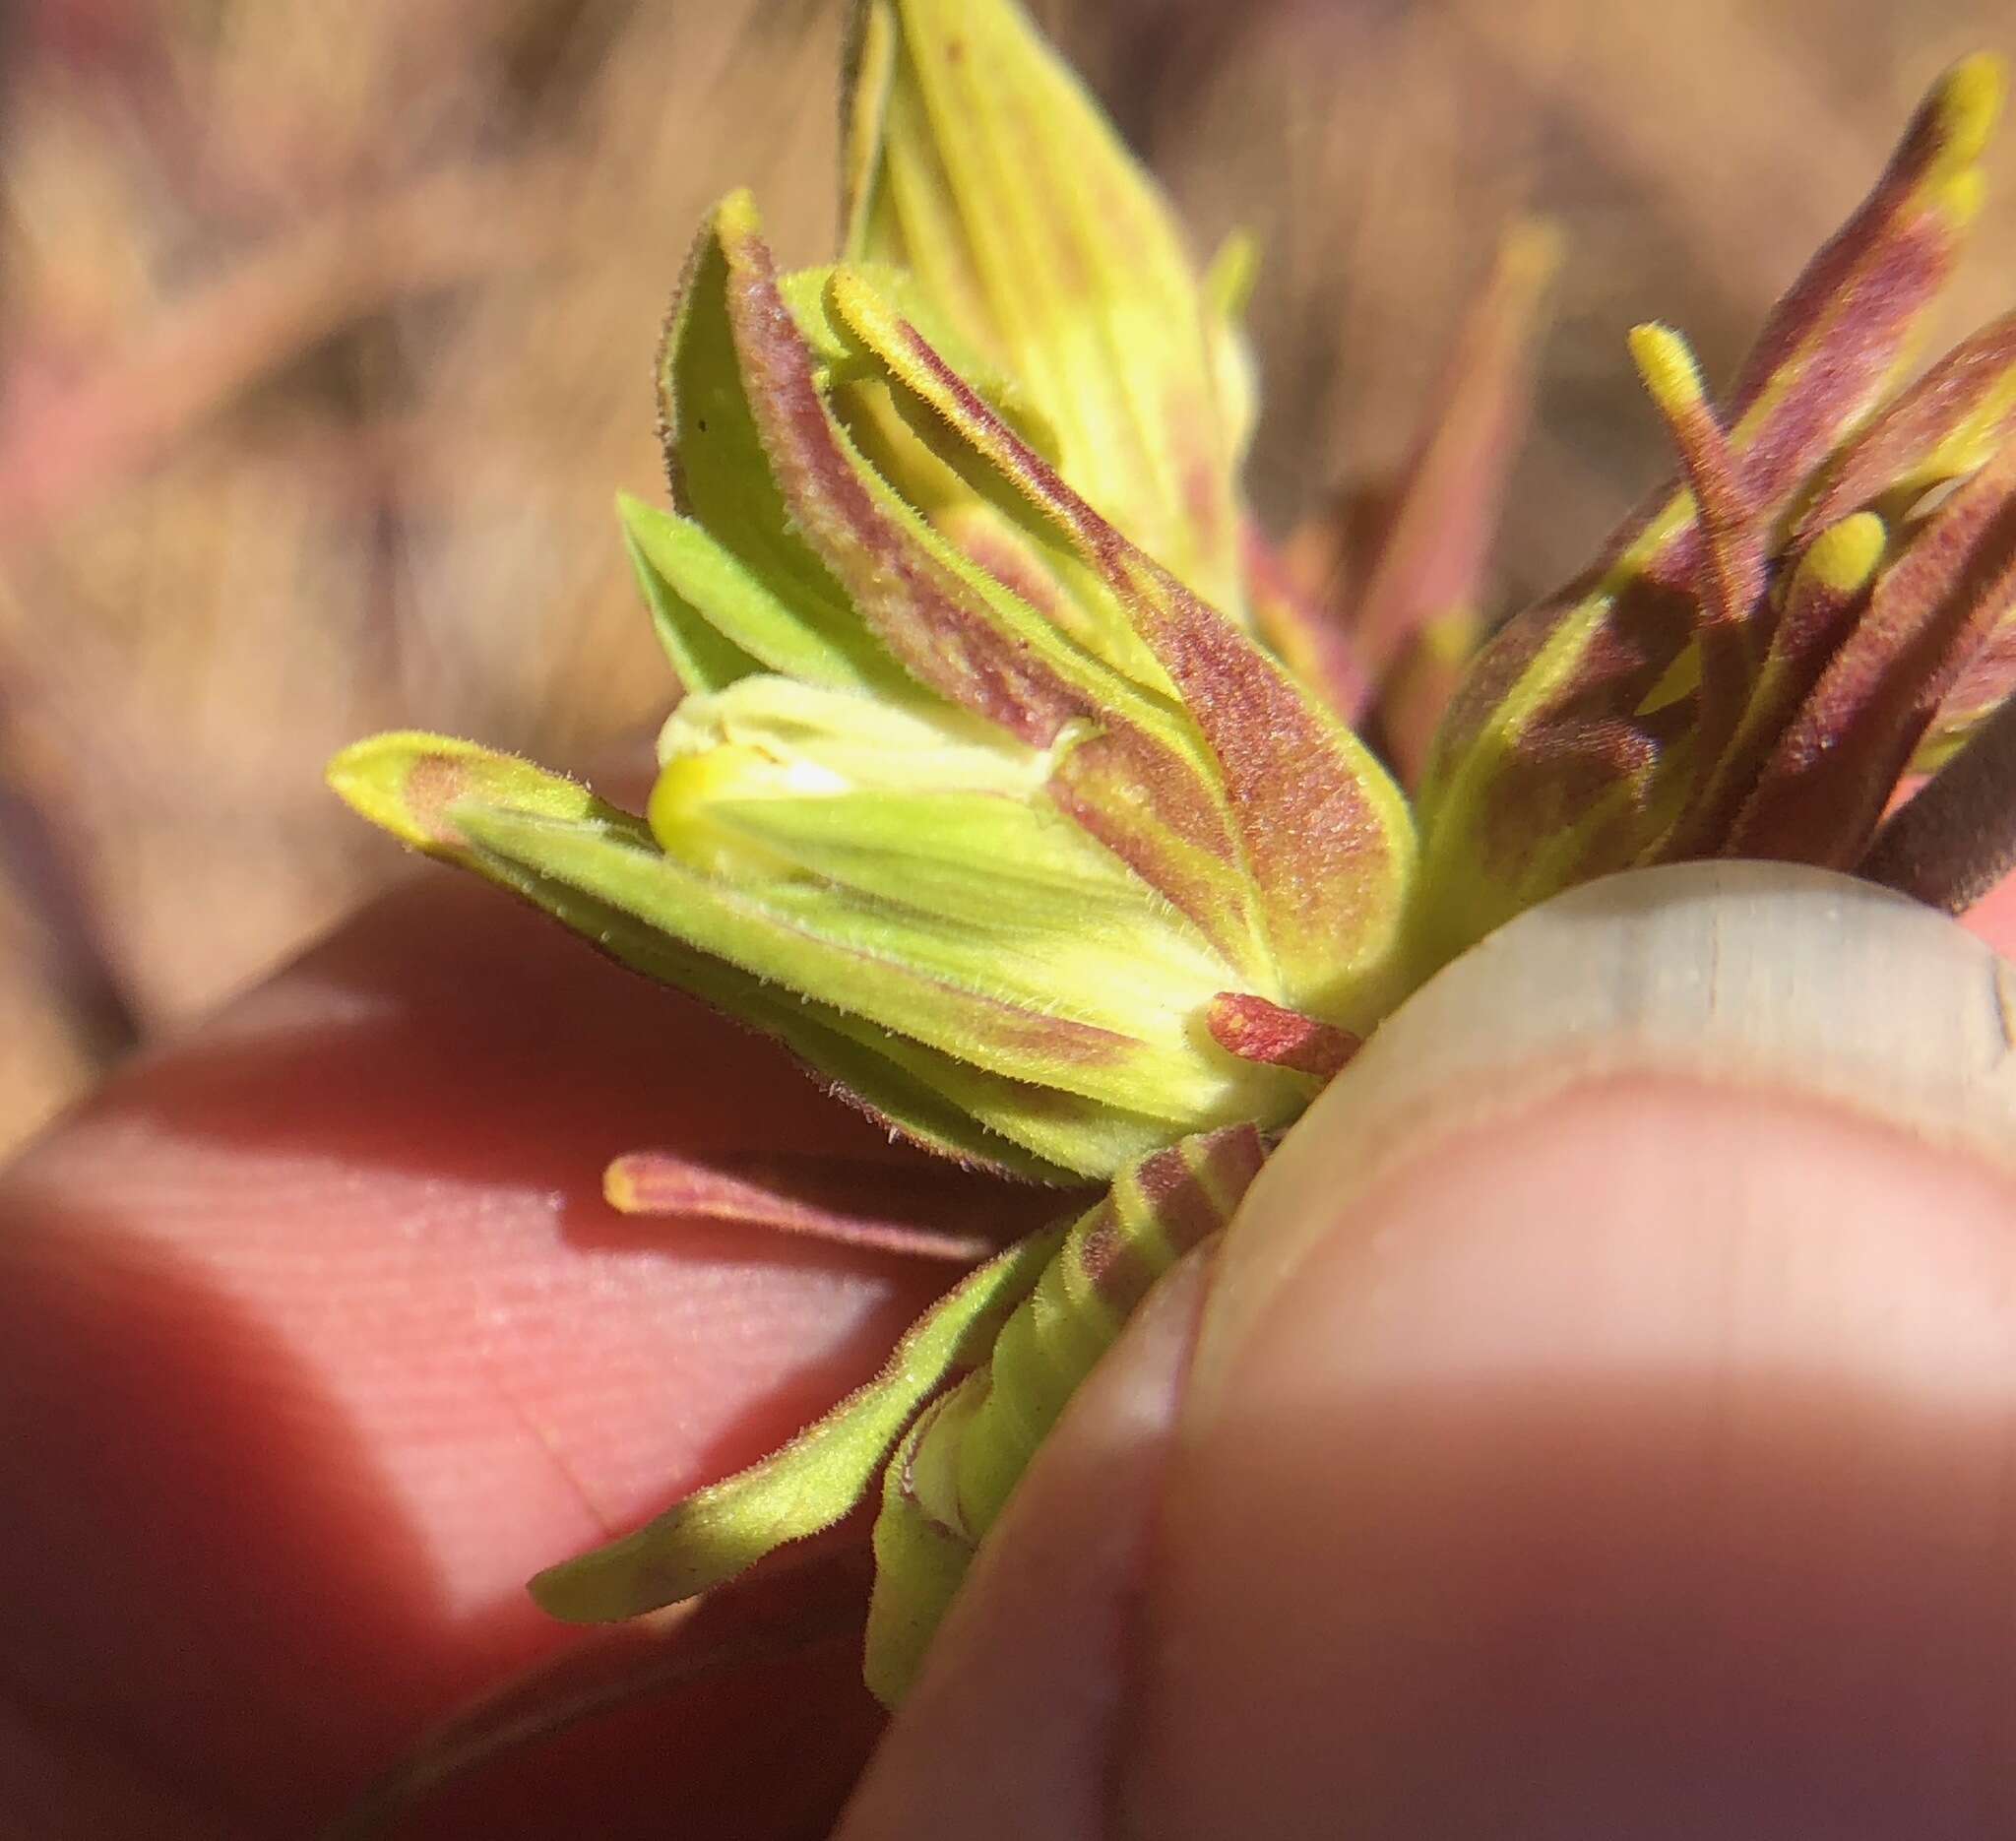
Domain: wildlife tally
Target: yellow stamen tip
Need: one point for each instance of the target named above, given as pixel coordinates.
(1666, 364)
(1961, 196)
(1970, 100)
(1843, 557)
(620, 1188)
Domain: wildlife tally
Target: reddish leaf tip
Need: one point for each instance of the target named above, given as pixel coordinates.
(1255, 1029)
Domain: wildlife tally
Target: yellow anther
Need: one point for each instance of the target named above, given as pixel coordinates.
(1843, 557)
(1666, 362)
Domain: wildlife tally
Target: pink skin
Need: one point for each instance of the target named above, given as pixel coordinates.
(318, 1340)
(315, 1340)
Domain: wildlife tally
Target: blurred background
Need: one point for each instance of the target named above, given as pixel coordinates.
(325, 335)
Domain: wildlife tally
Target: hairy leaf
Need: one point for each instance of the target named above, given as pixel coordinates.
(977, 161)
(1553, 765)
(1825, 783)
(1140, 779)
(1954, 837)
(808, 1485)
(949, 1482)
(1322, 831)
(412, 784)
(720, 479)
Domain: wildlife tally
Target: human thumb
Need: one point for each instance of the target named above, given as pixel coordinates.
(1597, 1422)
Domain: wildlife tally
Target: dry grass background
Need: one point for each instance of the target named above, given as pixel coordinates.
(324, 340)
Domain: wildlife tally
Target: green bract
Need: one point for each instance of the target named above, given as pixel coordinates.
(979, 164)
(1018, 785)
(957, 757)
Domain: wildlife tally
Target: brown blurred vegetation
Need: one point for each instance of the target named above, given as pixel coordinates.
(325, 330)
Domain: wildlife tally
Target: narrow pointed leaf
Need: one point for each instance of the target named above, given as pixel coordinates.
(964, 1456)
(408, 783)
(721, 482)
(1825, 785)
(1139, 778)
(808, 1485)
(1541, 775)
(1322, 830)
(848, 1201)
(1433, 551)
(976, 160)
(1954, 837)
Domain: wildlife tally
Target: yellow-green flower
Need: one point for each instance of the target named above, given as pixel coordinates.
(1021, 788)
(1062, 861)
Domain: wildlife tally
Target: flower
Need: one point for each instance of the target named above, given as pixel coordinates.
(1020, 788)
(1060, 863)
